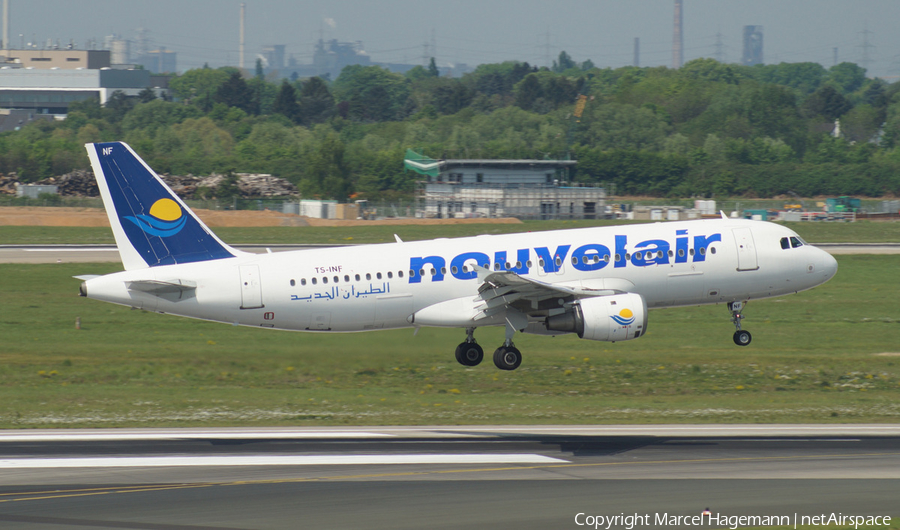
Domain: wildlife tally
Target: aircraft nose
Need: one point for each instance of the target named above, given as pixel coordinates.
(829, 265)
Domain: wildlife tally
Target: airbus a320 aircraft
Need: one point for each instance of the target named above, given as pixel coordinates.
(595, 282)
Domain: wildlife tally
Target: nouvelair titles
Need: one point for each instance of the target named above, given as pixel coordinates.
(585, 258)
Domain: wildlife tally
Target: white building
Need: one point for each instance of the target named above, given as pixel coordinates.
(52, 91)
(48, 81)
(527, 189)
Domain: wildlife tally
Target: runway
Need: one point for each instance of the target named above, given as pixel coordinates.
(103, 253)
(440, 477)
(110, 254)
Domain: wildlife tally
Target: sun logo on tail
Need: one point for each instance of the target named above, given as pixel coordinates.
(625, 317)
(166, 219)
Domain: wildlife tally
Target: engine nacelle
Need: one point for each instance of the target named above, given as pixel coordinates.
(608, 318)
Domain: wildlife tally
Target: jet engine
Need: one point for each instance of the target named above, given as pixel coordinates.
(607, 318)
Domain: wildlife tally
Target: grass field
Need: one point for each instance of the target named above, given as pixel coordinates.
(814, 358)
(858, 232)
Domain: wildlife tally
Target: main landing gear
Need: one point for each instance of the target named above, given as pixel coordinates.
(741, 337)
(469, 353)
(506, 357)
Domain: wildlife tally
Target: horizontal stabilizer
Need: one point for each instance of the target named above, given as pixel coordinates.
(159, 287)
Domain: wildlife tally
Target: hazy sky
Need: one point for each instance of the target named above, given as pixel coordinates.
(478, 31)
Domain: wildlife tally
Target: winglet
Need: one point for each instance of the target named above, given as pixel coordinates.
(724, 217)
(151, 224)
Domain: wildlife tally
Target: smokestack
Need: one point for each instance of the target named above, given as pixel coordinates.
(241, 52)
(637, 51)
(677, 39)
(6, 24)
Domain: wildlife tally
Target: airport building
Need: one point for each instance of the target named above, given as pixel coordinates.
(48, 81)
(526, 189)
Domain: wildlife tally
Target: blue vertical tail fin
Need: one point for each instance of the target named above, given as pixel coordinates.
(151, 224)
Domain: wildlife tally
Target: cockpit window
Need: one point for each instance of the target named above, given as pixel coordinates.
(785, 243)
(795, 242)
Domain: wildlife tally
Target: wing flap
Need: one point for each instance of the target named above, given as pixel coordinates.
(498, 286)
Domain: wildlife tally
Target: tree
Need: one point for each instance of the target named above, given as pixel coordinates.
(117, 106)
(260, 72)
(826, 102)
(325, 168)
(286, 102)
(491, 79)
(847, 76)
(417, 73)
(199, 86)
(147, 95)
(373, 93)
(316, 102)
(452, 97)
(806, 77)
(622, 127)
(563, 63)
(433, 69)
(861, 123)
(234, 92)
(90, 107)
(710, 70)
(528, 91)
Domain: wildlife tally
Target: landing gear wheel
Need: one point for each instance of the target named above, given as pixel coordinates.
(507, 358)
(469, 354)
(742, 338)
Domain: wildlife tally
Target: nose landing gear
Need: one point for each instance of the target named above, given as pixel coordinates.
(741, 337)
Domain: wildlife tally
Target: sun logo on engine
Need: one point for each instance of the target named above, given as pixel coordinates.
(625, 317)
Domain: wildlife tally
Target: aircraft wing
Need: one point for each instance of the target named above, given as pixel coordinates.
(500, 290)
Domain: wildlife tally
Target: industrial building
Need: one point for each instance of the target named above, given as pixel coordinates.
(753, 46)
(526, 189)
(55, 59)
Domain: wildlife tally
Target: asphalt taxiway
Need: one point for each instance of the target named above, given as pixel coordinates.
(103, 253)
(439, 477)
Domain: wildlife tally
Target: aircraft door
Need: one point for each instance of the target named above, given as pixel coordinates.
(251, 288)
(746, 250)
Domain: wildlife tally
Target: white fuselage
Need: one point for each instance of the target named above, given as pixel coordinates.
(360, 288)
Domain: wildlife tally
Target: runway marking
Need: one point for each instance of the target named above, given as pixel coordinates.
(70, 249)
(274, 460)
(243, 435)
(766, 440)
(68, 521)
(61, 494)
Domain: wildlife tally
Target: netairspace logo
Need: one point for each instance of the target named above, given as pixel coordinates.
(711, 520)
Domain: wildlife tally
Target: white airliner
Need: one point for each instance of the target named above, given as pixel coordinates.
(595, 282)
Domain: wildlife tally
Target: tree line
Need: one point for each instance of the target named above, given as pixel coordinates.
(707, 129)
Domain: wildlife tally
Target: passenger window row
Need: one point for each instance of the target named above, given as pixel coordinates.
(347, 278)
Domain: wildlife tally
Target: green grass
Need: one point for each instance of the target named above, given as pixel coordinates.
(859, 232)
(812, 360)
